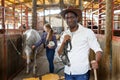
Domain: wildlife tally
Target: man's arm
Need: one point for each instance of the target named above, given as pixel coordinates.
(98, 56)
(61, 48)
(96, 61)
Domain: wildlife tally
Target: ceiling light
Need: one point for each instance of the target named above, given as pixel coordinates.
(85, 2)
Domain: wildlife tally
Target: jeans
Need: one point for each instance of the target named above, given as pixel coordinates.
(50, 56)
(85, 76)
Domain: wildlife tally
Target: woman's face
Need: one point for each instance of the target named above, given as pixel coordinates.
(46, 30)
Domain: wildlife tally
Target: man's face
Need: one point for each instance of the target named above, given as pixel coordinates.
(71, 19)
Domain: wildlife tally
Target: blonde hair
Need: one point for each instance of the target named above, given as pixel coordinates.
(50, 33)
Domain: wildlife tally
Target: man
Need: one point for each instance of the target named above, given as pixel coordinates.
(82, 39)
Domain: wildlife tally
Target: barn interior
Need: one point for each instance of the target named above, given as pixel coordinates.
(102, 16)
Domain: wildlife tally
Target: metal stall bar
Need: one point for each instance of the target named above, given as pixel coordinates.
(99, 19)
(14, 15)
(116, 21)
(21, 12)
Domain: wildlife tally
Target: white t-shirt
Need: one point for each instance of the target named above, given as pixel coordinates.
(82, 40)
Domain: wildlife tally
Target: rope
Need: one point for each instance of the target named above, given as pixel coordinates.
(59, 70)
(13, 44)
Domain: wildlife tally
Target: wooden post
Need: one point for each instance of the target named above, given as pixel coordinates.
(61, 8)
(21, 13)
(108, 39)
(49, 16)
(92, 16)
(81, 8)
(44, 20)
(34, 14)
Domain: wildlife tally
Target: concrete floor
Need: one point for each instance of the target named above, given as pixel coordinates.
(42, 67)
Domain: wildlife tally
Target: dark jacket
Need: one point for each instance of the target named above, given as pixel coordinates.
(43, 40)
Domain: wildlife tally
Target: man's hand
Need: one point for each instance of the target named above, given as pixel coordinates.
(94, 64)
(66, 37)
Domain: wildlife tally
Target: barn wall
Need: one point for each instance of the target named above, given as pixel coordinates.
(109, 66)
(116, 59)
(14, 61)
(102, 72)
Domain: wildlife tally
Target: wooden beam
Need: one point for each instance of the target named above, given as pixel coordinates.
(44, 7)
(10, 1)
(47, 6)
(108, 39)
(29, 1)
(34, 14)
(54, 5)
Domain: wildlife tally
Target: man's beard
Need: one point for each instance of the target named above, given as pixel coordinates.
(72, 25)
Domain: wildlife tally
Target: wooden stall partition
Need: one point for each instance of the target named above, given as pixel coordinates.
(104, 64)
(116, 58)
(112, 61)
(13, 61)
(102, 71)
(1, 58)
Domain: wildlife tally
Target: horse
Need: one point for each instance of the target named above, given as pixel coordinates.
(30, 37)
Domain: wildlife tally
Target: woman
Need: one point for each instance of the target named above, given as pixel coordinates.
(49, 39)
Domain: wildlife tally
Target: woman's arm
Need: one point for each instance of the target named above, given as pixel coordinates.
(42, 40)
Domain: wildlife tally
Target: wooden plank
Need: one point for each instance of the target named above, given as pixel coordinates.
(108, 39)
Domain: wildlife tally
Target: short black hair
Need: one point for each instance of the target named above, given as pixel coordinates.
(71, 12)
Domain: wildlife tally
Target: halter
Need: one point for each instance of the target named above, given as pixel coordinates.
(64, 56)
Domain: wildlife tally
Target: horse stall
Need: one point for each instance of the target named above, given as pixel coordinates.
(10, 59)
(102, 67)
(109, 66)
(116, 58)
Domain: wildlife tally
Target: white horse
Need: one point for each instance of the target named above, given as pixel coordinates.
(30, 37)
